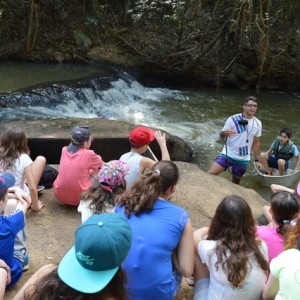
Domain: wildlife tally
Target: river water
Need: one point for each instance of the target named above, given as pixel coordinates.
(195, 115)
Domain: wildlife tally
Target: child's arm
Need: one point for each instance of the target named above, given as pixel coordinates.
(183, 256)
(18, 194)
(297, 166)
(4, 277)
(161, 140)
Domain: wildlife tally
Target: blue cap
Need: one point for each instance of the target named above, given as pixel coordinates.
(7, 180)
(79, 135)
(102, 243)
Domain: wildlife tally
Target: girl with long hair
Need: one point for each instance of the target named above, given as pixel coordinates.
(284, 208)
(284, 279)
(162, 241)
(100, 197)
(231, 263)
(14, 158)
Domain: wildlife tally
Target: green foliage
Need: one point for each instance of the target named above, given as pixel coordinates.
(148, 10)
(202, 37)
(91, 21)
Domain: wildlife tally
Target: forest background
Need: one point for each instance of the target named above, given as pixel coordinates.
(233, 43)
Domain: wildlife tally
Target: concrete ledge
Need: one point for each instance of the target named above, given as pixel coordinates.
(47, 137)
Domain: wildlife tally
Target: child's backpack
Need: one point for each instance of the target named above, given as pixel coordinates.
(48, 176)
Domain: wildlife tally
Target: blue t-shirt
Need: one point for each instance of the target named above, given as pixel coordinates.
(155, 235)
(9, 227)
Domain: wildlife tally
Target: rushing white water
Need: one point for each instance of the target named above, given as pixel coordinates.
(197, 116)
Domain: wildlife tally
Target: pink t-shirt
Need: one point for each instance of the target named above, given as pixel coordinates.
(274, 240)
(74, 177)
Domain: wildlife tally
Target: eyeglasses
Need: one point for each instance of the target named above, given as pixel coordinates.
(251, 105)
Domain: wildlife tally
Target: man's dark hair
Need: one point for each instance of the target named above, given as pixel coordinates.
(287, 131)
(250, 98)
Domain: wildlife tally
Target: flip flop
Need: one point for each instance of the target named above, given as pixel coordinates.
(40, 188)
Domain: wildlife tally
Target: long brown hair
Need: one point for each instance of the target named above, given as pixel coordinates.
(144, 192)
(99, 197)
(233, 227)
(51, 287)
(13, 144)
(293, 235)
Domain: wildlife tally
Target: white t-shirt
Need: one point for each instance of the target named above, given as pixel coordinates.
(87, 212)
(220, 287)
(19, 170)
(133, 160)
(239, 145)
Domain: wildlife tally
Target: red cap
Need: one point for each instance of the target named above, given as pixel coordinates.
(141, 136)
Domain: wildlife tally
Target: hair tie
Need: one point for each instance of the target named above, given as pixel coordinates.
(285, 222)
(293, 222)
(157, 171)
(105, 187)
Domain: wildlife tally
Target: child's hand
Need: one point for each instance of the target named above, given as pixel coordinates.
(160, 137)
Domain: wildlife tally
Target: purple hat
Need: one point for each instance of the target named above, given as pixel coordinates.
(112, 173)
(7, 180)
(298, 189)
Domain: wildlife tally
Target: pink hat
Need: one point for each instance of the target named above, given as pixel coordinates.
(141, 136)
(298, 189)
(112, 174)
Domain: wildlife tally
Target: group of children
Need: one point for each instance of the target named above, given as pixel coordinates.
(134, 243)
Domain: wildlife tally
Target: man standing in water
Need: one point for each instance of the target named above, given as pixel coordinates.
(240, 133)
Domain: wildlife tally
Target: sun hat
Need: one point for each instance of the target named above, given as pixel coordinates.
(7, 180)
(102, 243)
(112, 174)
(79, 135)
(141, 136)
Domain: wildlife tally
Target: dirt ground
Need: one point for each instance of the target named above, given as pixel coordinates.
(51, 231)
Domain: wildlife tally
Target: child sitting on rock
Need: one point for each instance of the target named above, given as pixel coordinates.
(77, 166)
(10, 226)
(283, 210)
(100, 198)
(14, 159)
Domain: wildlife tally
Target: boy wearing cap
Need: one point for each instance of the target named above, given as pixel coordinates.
(10, 225)
(77, 164)
(139, 139)
(91, 266)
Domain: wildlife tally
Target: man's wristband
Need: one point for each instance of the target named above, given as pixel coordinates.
(256, 160)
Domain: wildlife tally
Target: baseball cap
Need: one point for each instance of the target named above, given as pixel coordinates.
(7, 180)
(79, 135)
(112, 173)
(102, 243)
(141, 136)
